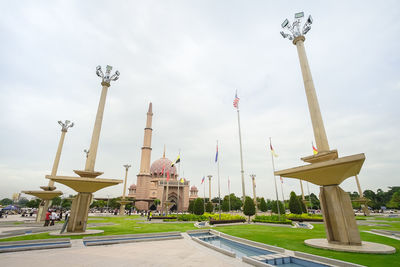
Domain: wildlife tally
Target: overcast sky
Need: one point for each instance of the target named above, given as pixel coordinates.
(188, 58)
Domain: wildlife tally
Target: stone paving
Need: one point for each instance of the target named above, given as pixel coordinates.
(181, 252)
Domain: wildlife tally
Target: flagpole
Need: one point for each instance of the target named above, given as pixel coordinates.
(276, 188)
(219, 188)
(229, 194)
(241, 156)
(283, 197)
(204, 195)
(179, 172)
(309, 196)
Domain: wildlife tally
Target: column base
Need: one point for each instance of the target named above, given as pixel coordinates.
(79, 213)
(339, 219)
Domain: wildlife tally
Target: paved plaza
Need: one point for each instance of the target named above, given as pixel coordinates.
(182, 252)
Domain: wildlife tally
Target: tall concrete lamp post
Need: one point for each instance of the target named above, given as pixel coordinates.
(209, 187)
(253, 179)
(123, 202)
(48, 194)
(326, 169)
(87, 183)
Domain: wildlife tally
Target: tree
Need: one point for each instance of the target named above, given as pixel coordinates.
(66, 204)
(191, 207)
(198, 207)
(56, 202)
(22, 201)
(34, 203)
(225, 204)
(395, 201)
(302, 205)
(6, 202)
(274, 207)
(249, 207)
(209, 207)
(156, 202)
(263, 205)
(294, 204)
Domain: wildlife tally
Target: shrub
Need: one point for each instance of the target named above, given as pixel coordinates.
(272, 219)
(191, 207)
(294, 204)
(191, 217)
(198, 207)
(274, 207)
(249, 208)
(224, 216)
(305, 217)
(209, 207)
(263, 205)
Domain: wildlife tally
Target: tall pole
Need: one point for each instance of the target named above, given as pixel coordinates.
(204, 196)
(126, 166)
(302, 191)
(179, 182)
(276, 188)
(313, 105)
(219, 187)
(253, 177)
(283, 197)
(309, 196)
(64, 129)
(229, 194)
(91, 159)
(241, 156)
(166, 197)
(209, 187)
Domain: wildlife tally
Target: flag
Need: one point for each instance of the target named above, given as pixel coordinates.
(202, 180)
(167, 175)
(315, 151)
(216, 155)
(272, 150)
(178, 159)
(281, 180)
(182, 181)
(163, 169)
(236, 101)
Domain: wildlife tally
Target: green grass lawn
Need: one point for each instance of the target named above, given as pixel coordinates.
(123, 226)
(293, 239)
(288, 238)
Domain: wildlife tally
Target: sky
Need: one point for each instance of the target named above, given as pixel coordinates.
(188, 58)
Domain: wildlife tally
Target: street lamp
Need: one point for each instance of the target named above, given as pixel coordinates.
(295, 28)
(253, 177)
(86, 151)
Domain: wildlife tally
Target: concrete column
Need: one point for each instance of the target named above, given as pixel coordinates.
(79, 212)
(57, 158)
(123, 202)
(91, 159)
(340, 225)
(313, 106)
(253, 178)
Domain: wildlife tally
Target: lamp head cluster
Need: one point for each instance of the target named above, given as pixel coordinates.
(127, 166)
(295, 29)
(65, 125)
(107, 77)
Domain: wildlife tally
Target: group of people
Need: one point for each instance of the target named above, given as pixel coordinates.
(52, 216)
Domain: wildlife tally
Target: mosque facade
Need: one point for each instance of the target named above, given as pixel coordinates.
(152, 183)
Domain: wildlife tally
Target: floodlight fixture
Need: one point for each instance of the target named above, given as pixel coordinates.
(65, 125)
(299, 15)
(309, 20)
(296, 29)
(285, 23)
(107, 77)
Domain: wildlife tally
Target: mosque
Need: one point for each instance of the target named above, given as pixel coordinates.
(152, 184)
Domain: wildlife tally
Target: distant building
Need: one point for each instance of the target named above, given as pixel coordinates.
(152, 180)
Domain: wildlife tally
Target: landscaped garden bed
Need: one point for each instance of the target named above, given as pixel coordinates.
(305, 217)
(212, 221)
(272, 219)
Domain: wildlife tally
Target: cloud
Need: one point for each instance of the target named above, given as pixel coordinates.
(188, 58)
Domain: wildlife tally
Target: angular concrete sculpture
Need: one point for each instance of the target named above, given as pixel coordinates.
(87, 183)
(326, 168)
(48, 194)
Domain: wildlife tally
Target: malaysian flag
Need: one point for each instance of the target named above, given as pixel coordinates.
(236, 101)
(202, 180)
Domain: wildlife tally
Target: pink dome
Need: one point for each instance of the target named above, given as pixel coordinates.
(133, 186)
(193, 188)
(157, 166)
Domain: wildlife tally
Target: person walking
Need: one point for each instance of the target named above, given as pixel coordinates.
(53, 217)
(47, 219)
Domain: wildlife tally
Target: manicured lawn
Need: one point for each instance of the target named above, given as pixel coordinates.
(293, 239)
(288, 238)
(123, 225)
